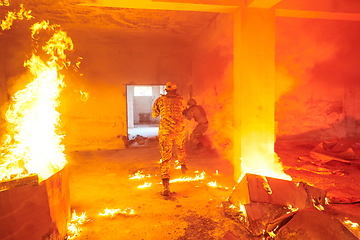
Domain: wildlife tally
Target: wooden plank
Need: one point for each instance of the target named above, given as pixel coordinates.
(30, 212)
(59, 201)
(31, 179)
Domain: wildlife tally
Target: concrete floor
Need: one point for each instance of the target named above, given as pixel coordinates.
(100, 179)
(143, 130)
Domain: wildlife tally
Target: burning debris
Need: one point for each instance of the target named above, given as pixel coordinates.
(145, 185)
(4, 3)
(74, 224)
(113, 212)
(197, 177)
(11, 16)
(215, 185)
(32, 143)
(272, 207)
(138, 175)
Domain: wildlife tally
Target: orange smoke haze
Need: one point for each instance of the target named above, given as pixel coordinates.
(300, 46)
(316, 61)
(215, 70)
(220, 113)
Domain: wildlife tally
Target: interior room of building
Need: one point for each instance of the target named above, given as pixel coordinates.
(79, 151)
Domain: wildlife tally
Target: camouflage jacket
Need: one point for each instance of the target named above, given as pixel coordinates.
(170, 108)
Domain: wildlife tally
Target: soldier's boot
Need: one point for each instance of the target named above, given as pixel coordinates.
(183, 169)
(166, 187)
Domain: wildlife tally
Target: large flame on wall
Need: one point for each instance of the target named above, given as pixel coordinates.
(32, 142)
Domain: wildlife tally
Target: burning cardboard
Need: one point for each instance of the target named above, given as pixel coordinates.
(266, 199)
(259, 189)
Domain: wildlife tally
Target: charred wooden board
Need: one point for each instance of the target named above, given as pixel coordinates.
(32, 179)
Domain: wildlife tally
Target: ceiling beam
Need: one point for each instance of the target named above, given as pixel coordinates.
(317, 15)
(262, 3)
(208, 2)
(186, 5)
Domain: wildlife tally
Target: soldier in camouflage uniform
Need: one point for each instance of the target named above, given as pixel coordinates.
(198, 113)
(171, 129)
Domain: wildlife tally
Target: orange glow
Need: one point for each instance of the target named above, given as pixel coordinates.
(4, 3)
(241, 209)
(292, 209)
(77, 64)
(11, 16)
(351, 224)
(113, 212)
(198, 177)
(139, 175)
(145, 185)
(215, 185)
(84, 96)
(32, 142)
(264, 167)
(74, 228)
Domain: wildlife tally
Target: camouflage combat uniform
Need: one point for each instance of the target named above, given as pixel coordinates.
(198, 113)
(171, 129)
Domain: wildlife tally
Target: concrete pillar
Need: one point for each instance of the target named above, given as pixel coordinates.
(254, 88)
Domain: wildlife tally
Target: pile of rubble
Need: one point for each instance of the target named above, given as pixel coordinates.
(280, 209)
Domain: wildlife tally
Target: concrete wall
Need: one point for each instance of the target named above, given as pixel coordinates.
(108, 64)
(109, 61)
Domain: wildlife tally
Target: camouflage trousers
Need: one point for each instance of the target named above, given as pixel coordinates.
(166, 141)
(197, 133)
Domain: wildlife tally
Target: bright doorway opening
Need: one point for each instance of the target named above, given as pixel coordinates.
(140, 99)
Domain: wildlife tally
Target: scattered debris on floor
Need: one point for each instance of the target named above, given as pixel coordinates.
(139, 140)
(328, 158)
(283, 209)
(335, 150)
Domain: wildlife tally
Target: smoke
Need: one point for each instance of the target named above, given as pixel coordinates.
(213, 89)
(320, 53)
(316, 62)
(301, 46)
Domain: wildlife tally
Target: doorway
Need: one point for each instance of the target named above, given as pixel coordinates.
(140, 99)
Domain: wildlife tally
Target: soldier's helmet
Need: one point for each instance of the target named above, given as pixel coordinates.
(170, 86)
(191, 102)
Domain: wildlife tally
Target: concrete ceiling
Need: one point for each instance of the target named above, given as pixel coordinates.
(75, 14)
(176, 17)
